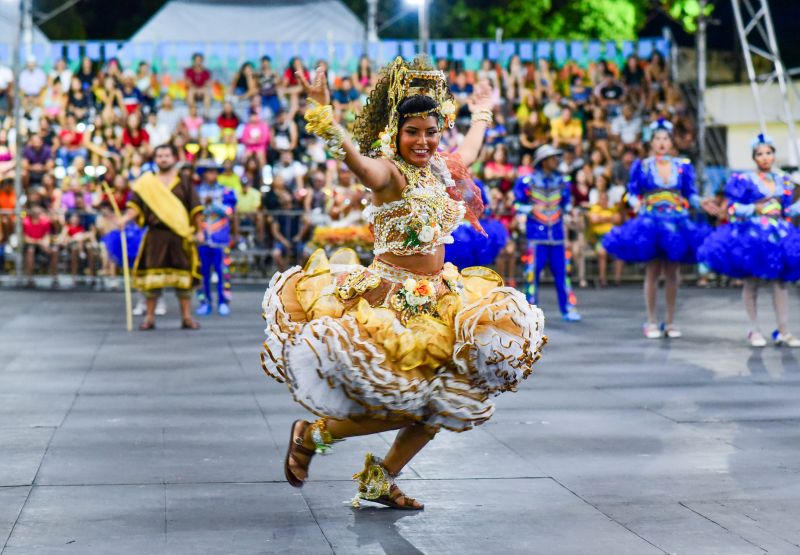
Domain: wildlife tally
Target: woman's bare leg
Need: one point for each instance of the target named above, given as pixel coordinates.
(780, 300)
(409, 441)
(750, 299)
(671, 289)
(652, 273)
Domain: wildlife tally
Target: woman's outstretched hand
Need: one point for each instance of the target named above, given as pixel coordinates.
(317, 90)
(481, 99)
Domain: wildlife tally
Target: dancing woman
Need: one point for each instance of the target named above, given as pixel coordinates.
(760, 243)
(408, 343)
(662, 234)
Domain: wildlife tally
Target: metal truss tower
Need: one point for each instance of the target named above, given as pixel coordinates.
(757, 36)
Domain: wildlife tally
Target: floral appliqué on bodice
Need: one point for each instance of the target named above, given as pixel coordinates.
(422, 219)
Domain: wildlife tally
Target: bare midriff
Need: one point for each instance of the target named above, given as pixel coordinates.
(427, 264)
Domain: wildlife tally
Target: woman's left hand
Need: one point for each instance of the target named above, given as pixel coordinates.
(481, 99)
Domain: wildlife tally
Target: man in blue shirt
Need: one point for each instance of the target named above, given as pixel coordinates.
(544, 198)
(219, 206)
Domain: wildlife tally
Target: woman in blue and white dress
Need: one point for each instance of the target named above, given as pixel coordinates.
(663, 234)
(760, 243)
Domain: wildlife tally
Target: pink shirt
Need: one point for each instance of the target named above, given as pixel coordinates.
(255, 134)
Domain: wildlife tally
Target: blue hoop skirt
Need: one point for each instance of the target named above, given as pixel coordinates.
(760, 247)
(673, 236)
(113, 243)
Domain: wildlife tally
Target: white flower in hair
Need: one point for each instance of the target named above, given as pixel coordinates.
(448, 108)
(426, 234)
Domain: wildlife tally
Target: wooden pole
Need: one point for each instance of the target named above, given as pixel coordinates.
(126, 276)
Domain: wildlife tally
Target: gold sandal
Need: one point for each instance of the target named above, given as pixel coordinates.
(377, 485)
(322, 439)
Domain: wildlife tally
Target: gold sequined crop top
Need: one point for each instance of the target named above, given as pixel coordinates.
(422, 219)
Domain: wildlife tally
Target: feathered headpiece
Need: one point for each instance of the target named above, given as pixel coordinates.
(401, 80)
(661, 124)
(762, 139)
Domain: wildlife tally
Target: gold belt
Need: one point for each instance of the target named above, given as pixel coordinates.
(399, 275)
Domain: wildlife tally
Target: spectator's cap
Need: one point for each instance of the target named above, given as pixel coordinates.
(661, 124)
(129, 74)
(208, 165)
(544, 152)
(31, 59)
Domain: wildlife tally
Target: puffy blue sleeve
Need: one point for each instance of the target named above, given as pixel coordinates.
(229, 198)
(743, 194)
(521, 200)
(637, 180)
(688, 183)
(791, 208)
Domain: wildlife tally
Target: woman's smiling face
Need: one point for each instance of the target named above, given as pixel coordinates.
(418, 139)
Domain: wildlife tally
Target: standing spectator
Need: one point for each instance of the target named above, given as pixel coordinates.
(37, 159)
(199, 82)
(633, 78)
(244, 84)
(61, 76)
(255, 138)
(147, 84)
(87, 74)
(566, 131)
(32, 81)
(627, 127)
(6, 88)
(37, 238)
(268, 86)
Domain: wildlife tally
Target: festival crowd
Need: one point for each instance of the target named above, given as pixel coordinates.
(91, 128)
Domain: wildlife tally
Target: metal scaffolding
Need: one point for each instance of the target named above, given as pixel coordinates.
(757, 36)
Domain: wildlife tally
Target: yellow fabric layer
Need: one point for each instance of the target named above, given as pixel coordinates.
(167, 207)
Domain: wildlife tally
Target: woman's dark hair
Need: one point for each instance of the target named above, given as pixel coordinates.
(413, 105)
(755, 148)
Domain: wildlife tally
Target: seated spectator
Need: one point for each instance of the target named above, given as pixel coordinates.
(228, 178)
(244, 84)
(78, 101)
(193, 123)
(8, 203)
(345, 97)
(132, 97)
(633, 78)
(525, 165)
(291, 84)
(61, 76)
(198, 79)
(533, 134)
(362, 78)
(227, 121)
(256, 138)
(285, 135)
(80, 242)
(579, 94)
(268, 86)
(168, 115)
(158, 133)
(567, 131)
(37, 159)
(598, 163)
(553, 106)
(498, 172)
(108, 98)
(134, 137)
(656, 76)
(71, 140)
(286, 224)
(598, 131)
(32, 81)
(496, 131)
(248, 209)
(627, 127)
(461, 88)
(86, 74)
(37, 239)
(610, 93)
(74, 195)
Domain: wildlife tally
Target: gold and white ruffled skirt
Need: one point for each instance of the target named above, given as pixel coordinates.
(381, 342)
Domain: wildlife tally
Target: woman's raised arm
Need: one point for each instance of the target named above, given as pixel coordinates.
(373, 174)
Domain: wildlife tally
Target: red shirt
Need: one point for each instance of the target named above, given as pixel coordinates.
(73, 230)
(36, 230)
(198, 78)
(291, 78)
(70, 139)
(136, 139)
(227, 122)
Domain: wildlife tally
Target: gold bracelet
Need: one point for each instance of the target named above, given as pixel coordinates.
(484, 116)
(319, 121)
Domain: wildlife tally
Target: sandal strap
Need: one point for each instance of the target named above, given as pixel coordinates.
(298, 447)
(396, 493)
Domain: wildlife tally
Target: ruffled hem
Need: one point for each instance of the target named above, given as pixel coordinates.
(353, 360)
(765, 250)
(649, 237)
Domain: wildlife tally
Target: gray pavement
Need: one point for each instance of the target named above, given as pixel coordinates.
(173, 442)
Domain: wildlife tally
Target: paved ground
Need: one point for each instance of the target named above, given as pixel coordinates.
(172, 442)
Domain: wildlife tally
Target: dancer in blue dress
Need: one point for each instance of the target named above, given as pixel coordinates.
(760, 243)
(471, 248)
(663, 233)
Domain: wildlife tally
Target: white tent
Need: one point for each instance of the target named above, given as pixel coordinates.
(9, 27)
(251, 20)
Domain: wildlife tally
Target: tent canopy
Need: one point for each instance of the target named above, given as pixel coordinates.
(252, 20)
(9, 25)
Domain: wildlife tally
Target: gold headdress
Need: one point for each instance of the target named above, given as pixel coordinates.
(401, 80)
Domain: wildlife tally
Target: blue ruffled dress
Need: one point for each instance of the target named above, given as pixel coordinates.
(469, 247)
(113, 243)
(760, 241)
(663, 228)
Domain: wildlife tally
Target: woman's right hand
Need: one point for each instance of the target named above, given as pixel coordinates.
(317, 90)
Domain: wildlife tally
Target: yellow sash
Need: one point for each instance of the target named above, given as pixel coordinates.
(167, 207)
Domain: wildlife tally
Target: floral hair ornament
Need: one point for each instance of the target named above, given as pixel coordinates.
(405, 81)
(762, 139)
(661, 124)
